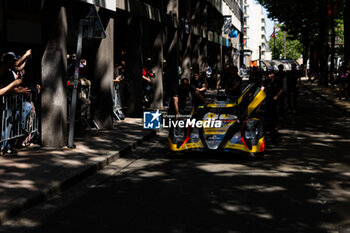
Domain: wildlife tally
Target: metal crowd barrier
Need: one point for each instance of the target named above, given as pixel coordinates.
(15, 116)
(86, 91)
(84, 94)
(117, 103)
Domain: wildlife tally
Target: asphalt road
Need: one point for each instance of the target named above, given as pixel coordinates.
(303, 185)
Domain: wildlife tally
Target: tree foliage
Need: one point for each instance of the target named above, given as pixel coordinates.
(339, 28)
(299, 17)
(294, 48)
(302, 19)
(310, 21)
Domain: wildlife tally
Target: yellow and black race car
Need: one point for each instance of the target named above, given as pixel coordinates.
(232, 124)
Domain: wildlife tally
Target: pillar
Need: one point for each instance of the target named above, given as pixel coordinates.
(195, 53)
(134, 66)
(172, 75)
(103, 73)
(171, 49)
(203, 53)
(157, 82)
(186, 55)
(53, 70)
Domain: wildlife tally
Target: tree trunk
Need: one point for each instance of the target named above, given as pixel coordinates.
(332, 43)
(323, 44)
(314, 59)
(305, 58)
(347, 32)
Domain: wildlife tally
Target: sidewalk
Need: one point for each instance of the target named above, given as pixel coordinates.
(34, 174)
(330, 95)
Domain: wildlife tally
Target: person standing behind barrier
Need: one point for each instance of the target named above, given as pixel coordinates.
(71, 60)
(281, 76)
(119, 77)
(6, 115)
(29, 109)
(293, 83)
(4, 89)
(25, 88)
(343, 80)
(12, 71)
(12, 68)
(210, 77)
(29, 100)
(273, 88)
(147, 76)
(16, 64)
(85, 89)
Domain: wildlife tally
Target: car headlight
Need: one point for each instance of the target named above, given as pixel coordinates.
(195, 133)
(179, 132)
(251, 129)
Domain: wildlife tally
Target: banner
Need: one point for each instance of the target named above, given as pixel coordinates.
(227, 24)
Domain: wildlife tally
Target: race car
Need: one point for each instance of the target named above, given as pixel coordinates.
(240, 127)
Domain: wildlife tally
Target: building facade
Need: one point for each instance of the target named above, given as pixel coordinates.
(233, 44)
(254, 32)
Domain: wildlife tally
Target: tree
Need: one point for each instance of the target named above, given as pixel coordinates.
(310, 22)
(339, 29)
(300, 19)
(294, 47)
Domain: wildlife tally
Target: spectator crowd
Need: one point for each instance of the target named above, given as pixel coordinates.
(281, 90)
(19, 94)
(20, 90)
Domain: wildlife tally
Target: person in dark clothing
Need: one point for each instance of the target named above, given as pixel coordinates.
(119, 82)
(11, 74)
(281, 76)
(343, 80)
(13, 70)
(255, 77)
(147, 76)
(6, 88)
(233, 87)
(199, 86)
(226, 76)
(178, 101)
(293, 82)
(273, 88)
(210, 77)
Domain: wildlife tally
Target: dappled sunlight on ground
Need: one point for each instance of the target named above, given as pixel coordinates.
(34, 169)
(301, 186)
